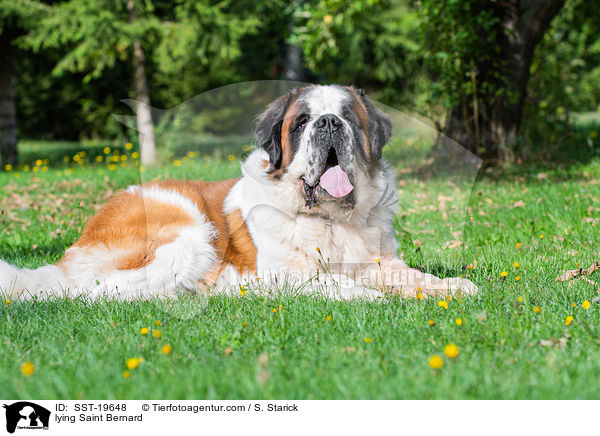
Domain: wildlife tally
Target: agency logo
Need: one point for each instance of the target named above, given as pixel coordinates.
(26, 415)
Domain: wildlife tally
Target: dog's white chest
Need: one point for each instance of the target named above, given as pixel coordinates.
(291, 243)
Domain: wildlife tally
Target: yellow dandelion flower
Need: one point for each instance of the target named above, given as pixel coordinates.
(520, 299)
(568, 320)
(516, 264)
(458, 321)
(128, 146)
(537, 309)
(274, 310)
(112, 167)
(328, 19)
(517, 278)
(378, 261)
(368, 340)
(158, 323)
(38, 162)
(318, 250)
(280, 307)
(245, 323)
(451, 351)
(7, 301)
(144, 331)
(586, 305)
(106, 150)
(419, 296)
(123, 157)
(8, 167)
(519, 245)
(156, 333)
(436, 361)
(328, 318)
(177, 163)
(133, 362)
(231, 158)
(573, 305)
(166, 349)
(443, 304)
(541, 236)
(28, 369)
(126, 374)
(503, 274)
(431, 322)
(135, 155)
(99, 158)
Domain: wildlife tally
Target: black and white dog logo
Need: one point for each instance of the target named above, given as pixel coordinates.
(26, 415)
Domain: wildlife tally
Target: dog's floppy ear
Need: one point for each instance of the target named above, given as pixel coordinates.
(267, 130)
(380, 126)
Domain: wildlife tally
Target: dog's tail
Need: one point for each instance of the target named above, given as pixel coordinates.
(15, 282)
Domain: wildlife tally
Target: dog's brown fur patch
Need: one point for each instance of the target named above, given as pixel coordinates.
(140, 225)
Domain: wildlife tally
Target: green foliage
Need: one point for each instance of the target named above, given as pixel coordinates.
(349, 42)
(565, 79)
(203, 34)
(429, 56)
(21, 14)
(463, 56)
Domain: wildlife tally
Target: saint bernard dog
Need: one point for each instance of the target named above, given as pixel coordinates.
(313, 208)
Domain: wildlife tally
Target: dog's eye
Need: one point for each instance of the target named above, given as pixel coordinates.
(302, 121)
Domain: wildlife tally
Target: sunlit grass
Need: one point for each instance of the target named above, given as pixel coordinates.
(524, 336)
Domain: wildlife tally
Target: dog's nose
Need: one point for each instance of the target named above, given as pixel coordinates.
(328, 122)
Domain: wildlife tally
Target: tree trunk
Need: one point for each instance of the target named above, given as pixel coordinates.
(143, 112)
(8, 113)
(291, 59)
(488, 128)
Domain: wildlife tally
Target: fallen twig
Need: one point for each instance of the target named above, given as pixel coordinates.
(580, 274)
(577, 273)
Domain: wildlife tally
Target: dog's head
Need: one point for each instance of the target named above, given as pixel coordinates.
(324, 138)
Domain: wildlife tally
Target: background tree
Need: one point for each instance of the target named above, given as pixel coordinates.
(97, 34)
(482, 51)
(16, 16)
(466, 65)
(564, 84)
(373, 44)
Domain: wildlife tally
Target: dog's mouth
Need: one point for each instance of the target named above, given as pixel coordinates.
(333, 180)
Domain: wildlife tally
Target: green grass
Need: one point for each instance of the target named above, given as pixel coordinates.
(79, 348)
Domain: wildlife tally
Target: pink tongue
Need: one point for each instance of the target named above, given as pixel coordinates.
(336, 182)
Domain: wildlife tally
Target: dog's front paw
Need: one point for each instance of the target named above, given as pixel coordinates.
(464, 286)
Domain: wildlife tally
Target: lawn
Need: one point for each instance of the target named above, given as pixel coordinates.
(543, 219)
